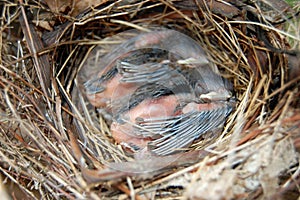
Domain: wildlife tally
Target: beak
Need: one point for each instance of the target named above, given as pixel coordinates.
(216, 96)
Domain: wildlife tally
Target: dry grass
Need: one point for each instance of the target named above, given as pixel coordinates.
(53, 145)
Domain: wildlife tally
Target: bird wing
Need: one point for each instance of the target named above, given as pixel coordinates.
(146, 73)
(179, 131)
(96, 85)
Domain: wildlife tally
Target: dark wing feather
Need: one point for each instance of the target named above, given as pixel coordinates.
(96, 85)
(180, 131)
(146, 73)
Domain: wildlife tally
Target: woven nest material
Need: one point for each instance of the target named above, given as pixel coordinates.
(54, 145)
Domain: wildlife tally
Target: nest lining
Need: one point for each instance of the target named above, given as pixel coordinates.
(39, 147)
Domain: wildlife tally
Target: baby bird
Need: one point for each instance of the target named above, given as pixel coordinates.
(161, 91)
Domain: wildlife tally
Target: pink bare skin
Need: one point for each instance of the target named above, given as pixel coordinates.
(200, 107)
(114, 89)
(148, 109)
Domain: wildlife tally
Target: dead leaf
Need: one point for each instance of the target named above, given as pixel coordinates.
(72, 7)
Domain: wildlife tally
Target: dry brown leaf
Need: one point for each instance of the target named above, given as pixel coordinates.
(59, 6)
(72, 7)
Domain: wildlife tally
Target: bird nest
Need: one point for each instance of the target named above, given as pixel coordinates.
(55, 145)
